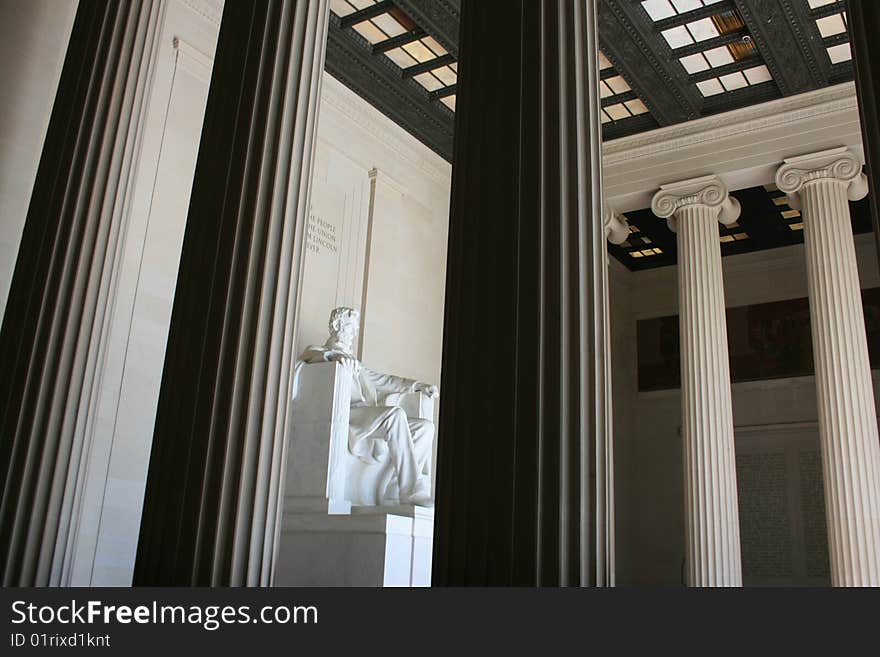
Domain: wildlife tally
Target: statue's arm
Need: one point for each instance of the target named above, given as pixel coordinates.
(389, 383)
(322, 355)
(315, 355)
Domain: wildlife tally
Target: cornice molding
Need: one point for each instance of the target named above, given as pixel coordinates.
(212, 10)
(775, 113)
(357, 111)
(194, 60)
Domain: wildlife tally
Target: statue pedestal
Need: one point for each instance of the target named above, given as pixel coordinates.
(373, 546)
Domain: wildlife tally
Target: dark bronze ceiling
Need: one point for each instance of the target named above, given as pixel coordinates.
(662, 62)
(665, 61)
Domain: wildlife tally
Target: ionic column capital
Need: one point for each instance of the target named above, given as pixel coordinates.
(616, 229)
(837, 165)
(708, 191)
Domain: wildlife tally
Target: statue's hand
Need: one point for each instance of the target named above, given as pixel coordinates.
(428, 389)
(351, 364)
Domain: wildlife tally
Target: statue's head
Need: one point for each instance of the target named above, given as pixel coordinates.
(344, 324)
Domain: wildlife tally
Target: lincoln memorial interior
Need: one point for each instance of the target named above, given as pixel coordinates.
(600, 280)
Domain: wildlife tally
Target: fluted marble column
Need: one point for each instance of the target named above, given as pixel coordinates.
(215, 475)
(523, 464)
(693, 209)
(822, 184)
(52, 340)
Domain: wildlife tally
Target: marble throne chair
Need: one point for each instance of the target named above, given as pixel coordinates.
(322, 471)
(341, 522)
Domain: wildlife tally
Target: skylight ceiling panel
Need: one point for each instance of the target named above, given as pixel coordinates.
(432, 44)
(702, 29)
(695, 63)
(711, 87)
(758, 74)
(446, 75)
(831, 25)
(428, 81)
(420, 51)
(833, 30)
(840, 53)
(341, 8)
(636, 107)
(659, 9)
(370, 31)
(677, 37)
(618, 112)
(719, 56)
(734, 81)
(617, 84)
(389, 25)
(401, 57)
(681, 6)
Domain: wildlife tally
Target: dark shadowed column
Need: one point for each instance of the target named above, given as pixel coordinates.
(51, 340)
(215, 470)
(522, 492)
(864, 26)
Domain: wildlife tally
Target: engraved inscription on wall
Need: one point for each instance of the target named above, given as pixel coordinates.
(781, 507)
(813, 508)
(765, 526)
(321, 236)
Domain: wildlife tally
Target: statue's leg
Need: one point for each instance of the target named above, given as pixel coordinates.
(403, 455)
(422, 432)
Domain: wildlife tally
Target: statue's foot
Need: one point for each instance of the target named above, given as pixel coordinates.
(420, 500)
(421, 495)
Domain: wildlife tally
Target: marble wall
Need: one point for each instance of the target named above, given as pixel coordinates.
(33, 42)
(379, 220)
(137, 322)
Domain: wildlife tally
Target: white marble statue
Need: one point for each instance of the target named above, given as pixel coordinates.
(377, 430)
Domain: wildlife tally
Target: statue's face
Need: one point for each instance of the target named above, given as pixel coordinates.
(347, 332)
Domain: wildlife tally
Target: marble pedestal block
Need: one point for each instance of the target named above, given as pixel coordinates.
(373, 546)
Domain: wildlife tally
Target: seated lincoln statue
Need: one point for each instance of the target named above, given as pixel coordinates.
(377, 430)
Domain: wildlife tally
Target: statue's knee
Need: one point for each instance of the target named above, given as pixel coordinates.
(422, 428)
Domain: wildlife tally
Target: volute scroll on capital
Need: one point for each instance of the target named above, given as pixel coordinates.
(837, 164)
(709, 191)
(616, 227)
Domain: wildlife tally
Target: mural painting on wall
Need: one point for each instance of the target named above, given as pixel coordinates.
(765, 341)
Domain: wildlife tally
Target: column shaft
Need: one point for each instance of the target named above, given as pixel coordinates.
(712, 518)
(522, 495)
(52, 341)
(847, 414)
(216, 467)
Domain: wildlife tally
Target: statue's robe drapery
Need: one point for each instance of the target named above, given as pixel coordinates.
(369, 391)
